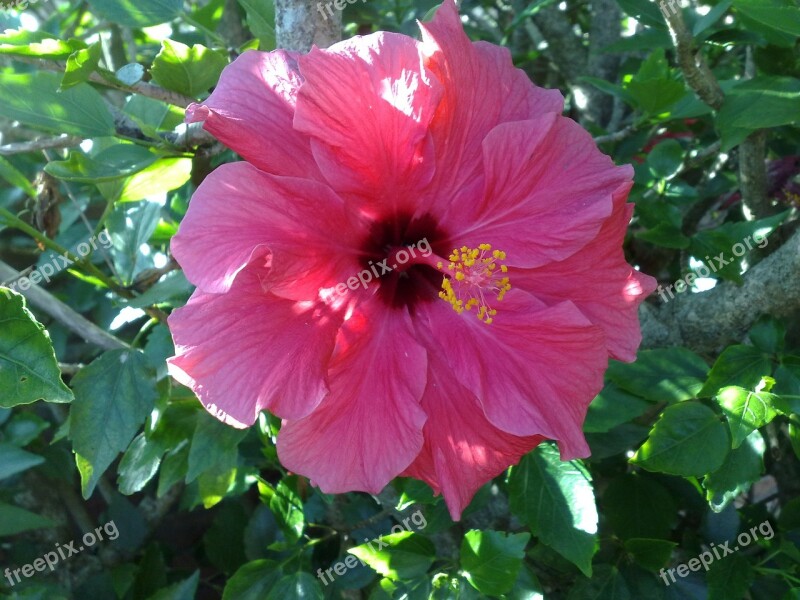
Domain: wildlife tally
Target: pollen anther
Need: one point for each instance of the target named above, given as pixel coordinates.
(470, 276)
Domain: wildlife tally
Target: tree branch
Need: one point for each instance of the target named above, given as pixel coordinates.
(694, 67)
(62, 313)
(299, 24)
(64, 141)
(142, 88)
(707, 321)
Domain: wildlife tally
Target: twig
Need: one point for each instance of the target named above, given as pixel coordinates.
(694, 67)
(142, 88)
(616, 136)
(40, 144)
(62, 313)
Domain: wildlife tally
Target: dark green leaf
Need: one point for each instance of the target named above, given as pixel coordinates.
(253, 581)
(28, 367)
(80, 65)
(33, 99)
(745, 410)
(14, 520)
(399, 556)
(688, 439)
(183, 590)
(729, 578)
(651, 554)
(214, 444)
(739, 365)
(115, 162)
(137, 13)
(638, 507)
(261, 21)
(14, 460)
(491, 560)
(663, 375)
(190, 71)
(113, 396)
(613, 407)
(741, 468)
(665, 159)
(298, 586)
(556, 500)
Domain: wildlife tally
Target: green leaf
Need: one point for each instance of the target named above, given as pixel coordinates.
(737, 365)
(398, 556)
(214, 445)
(651, 554)
(612, 407)
(286, 505)
(780, 15)
(662, 375)
(253, 581)
(729, 578)
(129, 228)
(665, 159)
(115, 162)
(607, 584)
(758, 103)
(183, 590)
(556, 500)
(746, 411)
(638, 507)
(41, 44)
(491, 560)
(190, 71)
(113, 397)
(28, 366)
(33, 99)
(14, 520)
(298, 586)
(16, 178)
(165, 175)
(80, 65)
(687, 440)
(137, 13)
(768, 335)
(139, 464)
(741, 469)
(14, 460)
(261, 21)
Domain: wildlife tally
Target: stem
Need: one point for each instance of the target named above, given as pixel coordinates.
(14, 221)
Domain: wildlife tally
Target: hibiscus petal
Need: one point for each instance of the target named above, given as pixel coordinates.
(251, 111)
(462, 449)
(239, 213)
(239, 352)
(534, 369)
(367, 104)
(369, 428)
(482, 89)
(599, 281)
(543, 175)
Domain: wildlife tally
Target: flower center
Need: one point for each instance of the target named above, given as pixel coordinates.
(471, 275)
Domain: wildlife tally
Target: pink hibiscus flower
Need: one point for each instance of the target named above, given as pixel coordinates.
(418, 266)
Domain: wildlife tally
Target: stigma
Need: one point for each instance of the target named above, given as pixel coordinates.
(474, 277)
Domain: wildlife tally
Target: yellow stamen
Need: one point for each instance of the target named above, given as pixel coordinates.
(471, 273)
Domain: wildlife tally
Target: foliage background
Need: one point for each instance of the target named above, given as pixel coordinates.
(694, 443)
